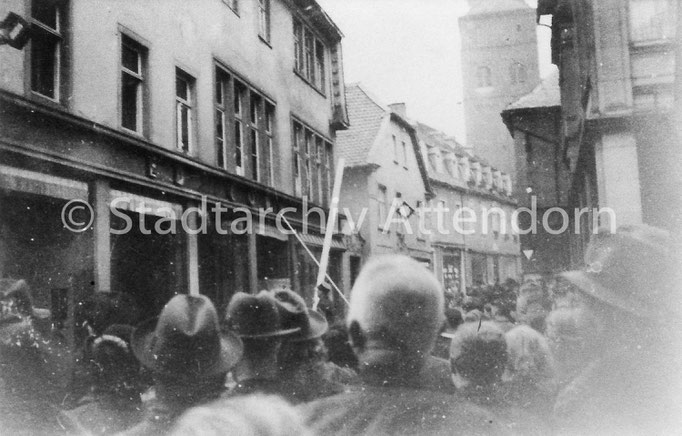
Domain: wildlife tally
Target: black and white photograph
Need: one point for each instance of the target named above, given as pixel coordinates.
(340, 217)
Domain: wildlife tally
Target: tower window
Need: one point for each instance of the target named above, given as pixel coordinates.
(518, 73)
(483, 76)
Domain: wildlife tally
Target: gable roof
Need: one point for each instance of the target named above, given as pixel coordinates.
(365, 116)
(546, 94)
(484, 7)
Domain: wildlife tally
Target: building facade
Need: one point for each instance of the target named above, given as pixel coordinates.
(178, 131)
(475, 243)
(499, 64)
(543, 180)
(616, 132)
(385, 182)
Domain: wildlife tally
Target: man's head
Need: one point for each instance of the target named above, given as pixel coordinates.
(397, 304)
(478, 355)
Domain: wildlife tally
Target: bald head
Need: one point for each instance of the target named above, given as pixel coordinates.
(397, 299)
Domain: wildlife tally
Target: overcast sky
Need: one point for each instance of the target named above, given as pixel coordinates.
(408, 51)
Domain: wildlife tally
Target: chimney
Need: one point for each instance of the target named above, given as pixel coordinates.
(398, 108)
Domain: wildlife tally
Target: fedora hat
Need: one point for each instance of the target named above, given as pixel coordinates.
(255, 316)
(185, 341)
(294, 314)
(632, 269)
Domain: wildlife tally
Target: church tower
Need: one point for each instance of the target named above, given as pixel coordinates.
(499, 65)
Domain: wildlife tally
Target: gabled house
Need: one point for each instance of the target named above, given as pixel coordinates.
(385, 182)
(467, 253)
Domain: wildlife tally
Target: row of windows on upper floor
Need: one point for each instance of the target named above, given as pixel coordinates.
(310, 52)
(517, 75)
(497, 219)
(470, 171)
(245, 131)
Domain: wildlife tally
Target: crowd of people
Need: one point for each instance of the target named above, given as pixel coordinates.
(591, 351)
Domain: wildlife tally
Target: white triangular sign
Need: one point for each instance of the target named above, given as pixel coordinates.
(528, 254)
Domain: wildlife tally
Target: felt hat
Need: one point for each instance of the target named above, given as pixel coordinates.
(295, 314)
(632, 269)
(185, 341)
(255, 316)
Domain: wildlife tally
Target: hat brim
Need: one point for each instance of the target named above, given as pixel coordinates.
(594, 289)
(142, 340)
(274, 334)
(318, 327)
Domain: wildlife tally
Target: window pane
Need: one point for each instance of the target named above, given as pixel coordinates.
(254, 155)
(44, 55)
(309, 73)
(319, 65)
(45, 12)
(130, 58)
(130, 88)
(220, 138)
(238, 143)
(181, 88)
(184, 127)
(238, 95)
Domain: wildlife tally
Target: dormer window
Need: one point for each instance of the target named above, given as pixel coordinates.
(507, 185)
(497, 180)
(475, 173)
(518, 73)
(450, 164)
(464, 169)
(487, 181)
(484, 77)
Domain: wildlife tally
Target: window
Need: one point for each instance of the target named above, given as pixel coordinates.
(238, 110)
(309, 57)
(46, 45)
(232, 4)
(270, 145)
(517, 71)
(255, 119)
(404, 154)
(395, 149)
(464, 172)
(328, 159)
(312, 165)
(309, 46)
(132, 81)
(319, 155)
(319, 66)
(264, 19)
(652, 20)
(483, 77)
(298, 46)
(307, 189)
(298, 173)
(450, 164)
(382, 200)
(184, 88)
(221, 92)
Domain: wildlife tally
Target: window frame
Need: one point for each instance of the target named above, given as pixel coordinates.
(54, 36)
(255, 118)
(312, 155)
(187, 103)
(141, 104)
(264, 20)
(233, 5)
(382, 200)
(310, 56)
(483, 77)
